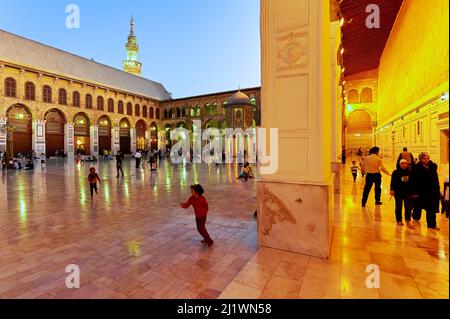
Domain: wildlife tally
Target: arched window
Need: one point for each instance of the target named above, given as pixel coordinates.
(166, 114)
(62, 97)
(353, 96)
(224, 106)
(30, 91)
(76, 99)
(110, 105)
(88, 101)
(10, 87)
(192, 112)
(198, 111)
(137, 110)
(100, 103)
(214, 109)
(366, 95)
(120, 107)
(158, 114)
(47, 94)
(144, 111)
(152, 113)
(207, 109)
(129, 109)
(178, 112)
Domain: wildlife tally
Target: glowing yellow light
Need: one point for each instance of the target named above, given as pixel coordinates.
(134, 247)
(342, 51)
(79, 142)
(21, 116)
(342, 21)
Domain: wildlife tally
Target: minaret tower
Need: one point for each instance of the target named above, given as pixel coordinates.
(131, 64)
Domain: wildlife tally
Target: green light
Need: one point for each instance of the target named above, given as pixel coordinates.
(349, 108)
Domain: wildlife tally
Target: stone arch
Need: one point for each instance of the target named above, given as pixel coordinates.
(141, 140)
(211, 124)
(359, 130)
(153, 136)
(55, 121)
(125, 135)
(181, 124)
(353, 96)
(82, 133)
(21, 118)
(366, 95)
(104, 133)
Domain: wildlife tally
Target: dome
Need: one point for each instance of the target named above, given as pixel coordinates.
(239, 98)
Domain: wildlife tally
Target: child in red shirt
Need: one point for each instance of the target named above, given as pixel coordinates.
(93, 178)
(201, 211)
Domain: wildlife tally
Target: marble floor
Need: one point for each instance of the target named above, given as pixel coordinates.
(413, 263)
(134, 240)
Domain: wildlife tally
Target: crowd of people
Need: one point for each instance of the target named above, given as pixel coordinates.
(22, 161)
(414, 185)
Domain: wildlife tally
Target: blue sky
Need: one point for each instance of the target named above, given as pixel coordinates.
(191, 46)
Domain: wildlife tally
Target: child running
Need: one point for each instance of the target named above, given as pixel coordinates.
(93, 178)
(198, 201)
(354, 168)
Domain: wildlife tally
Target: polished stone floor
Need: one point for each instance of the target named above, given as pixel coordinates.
(413, 263)
(134, 241)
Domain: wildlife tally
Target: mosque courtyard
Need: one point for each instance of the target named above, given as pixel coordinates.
(133, 240)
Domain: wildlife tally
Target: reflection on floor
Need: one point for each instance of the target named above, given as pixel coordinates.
(413, 263)
(134, 241)
(131, 241)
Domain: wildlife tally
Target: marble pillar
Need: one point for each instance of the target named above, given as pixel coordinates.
(69, 133)
(115, 139)
(296, 203)
(3, 136)
(133, 140)
(336, 104)
(94, 140)
(39, 137)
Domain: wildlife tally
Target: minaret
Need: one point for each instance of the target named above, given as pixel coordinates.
(131, 64)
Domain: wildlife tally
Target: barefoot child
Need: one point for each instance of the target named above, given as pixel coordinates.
(201, 211)
(93, 178)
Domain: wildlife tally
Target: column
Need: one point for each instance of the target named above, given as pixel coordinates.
(148, 140)
(295, 204)
(69, 134)
(162, 141)
(94, 140)
(3, 136)
(115, 139)
(39, 137)
(374, 133)
(133, 140)
(336, 112)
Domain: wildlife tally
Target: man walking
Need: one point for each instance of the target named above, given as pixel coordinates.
(407, 156)
(372, 166)
(119, 159)
(138, 157)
